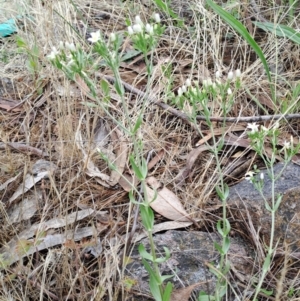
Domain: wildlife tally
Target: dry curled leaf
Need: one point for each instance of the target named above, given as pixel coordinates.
(192, 157)
(183, 294)
(41, 169)
(90, 168)
(166, 202)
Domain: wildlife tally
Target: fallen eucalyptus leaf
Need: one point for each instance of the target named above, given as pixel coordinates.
(166, 203)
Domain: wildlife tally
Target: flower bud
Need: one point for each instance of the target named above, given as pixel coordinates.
(157, 18)
(70, 46)
(113, 37)
(137, 28)
(138, 20)
(230, 75)
(130, 30)
(180, 92)
(149, 29)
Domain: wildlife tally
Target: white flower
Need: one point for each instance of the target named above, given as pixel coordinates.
(253, 127)
(180, 92)
(61, 45)
(218, 74)
(139, 21)
(157, 18)
(249, 175)
(188, 82)
(230, 75)
(238, 73)
(112, 37)
(149, 29)
(204, 82)
(70, 46)
(214, 85)
(263, 128)
(286, 145)
(130, 30)
(53, 54)
(262, 176)
(95, 36)
(183, 88)
(137, 28)
(229, 92)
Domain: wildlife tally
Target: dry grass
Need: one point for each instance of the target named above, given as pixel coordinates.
(50, 121)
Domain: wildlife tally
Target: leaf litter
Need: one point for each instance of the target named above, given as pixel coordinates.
(188, 62)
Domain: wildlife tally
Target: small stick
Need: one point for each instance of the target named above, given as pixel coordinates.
(186, 118)
(24, 148)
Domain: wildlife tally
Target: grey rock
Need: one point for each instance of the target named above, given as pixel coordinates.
(248, 206)
(190, 251)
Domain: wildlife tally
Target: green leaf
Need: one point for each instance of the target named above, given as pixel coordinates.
(268, 206)
(119, 88)
(165, 277)
(223, 290)
(144, 253)
(105, 87)
(167, 252)
(219, 228)
(130, 54)
(240, 28)
(226, 227)
(220, 193)
(203, 296)
(267, 263)
(168, 291)
(154, 289)
(219, 249)
(136, 169)
(132, 198)
(278, 202)
(21, 43)
(226, 191)
(147, 216)
(160, 259)
(280, 30)
(154, 197)
(144, 168)
(226, 268)
(137, 124)
(226, 245)
(150, 271)
(266, 292)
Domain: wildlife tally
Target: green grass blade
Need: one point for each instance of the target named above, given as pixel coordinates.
(240, 28)
(280, 30)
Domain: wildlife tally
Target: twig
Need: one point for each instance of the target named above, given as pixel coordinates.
(24, 148)
(185, 117)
